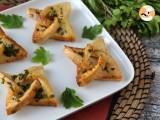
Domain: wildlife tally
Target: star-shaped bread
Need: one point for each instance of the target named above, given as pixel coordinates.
(56, 16)
(94, 62)
(28, 88)
(10, 50)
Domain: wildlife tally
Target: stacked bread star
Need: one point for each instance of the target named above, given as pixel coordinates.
(52, 22)
(94, 62)
(28, 88)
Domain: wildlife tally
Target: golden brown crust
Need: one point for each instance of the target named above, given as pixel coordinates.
(69, 38)
(22, 53)
(44, 102)
(34, 13)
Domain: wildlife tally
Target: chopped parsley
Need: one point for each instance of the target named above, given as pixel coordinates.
(61, 31)
(10, 86)
(51, 96)
(16, 98)
(40, 94)
(21, 76)
(25, 87)
(1, 42)
(109, 69)
(43, 28)
(10, 50)
(53, 12)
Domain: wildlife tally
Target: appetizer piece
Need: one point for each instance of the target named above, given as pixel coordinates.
(10, 50)
(61, 11)
(94, 62)
(28, 88)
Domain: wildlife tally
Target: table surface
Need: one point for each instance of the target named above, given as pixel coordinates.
(152, 107)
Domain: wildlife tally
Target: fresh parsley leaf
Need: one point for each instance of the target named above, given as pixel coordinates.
(41, 56)
(11, 21)
(69, 99)
(124, 13)
(92, 31)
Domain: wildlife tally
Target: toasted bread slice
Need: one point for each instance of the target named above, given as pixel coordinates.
(94, 62)
(62, 11)
(9, 49)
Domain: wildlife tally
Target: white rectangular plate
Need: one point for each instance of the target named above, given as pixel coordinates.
(61, 72)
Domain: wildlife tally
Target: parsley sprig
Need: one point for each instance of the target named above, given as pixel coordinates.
(70, 99)
(11, 21)
(124, 13)
(92, 32)
(41, 56)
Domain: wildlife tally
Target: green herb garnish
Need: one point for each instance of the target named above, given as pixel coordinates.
(23, 76)
(124, 13)
(53, 12)
(10, 50)
(92, 31)
(69, 99)
(51, 96)
(1, 42)
(43, 28)
(11, 21)
(61, 31)
(42, 56)
(10, 86)
(25, 87)
(40, 94)
(13, 77)
(16, 98)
